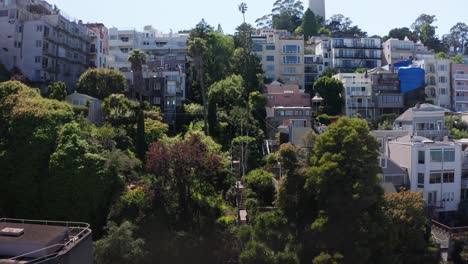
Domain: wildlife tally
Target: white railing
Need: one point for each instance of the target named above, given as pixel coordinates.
(460, 76)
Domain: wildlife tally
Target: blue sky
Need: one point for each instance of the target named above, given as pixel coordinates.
(371, 15)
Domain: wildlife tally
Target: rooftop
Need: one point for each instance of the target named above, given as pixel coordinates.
(34, 240)
(282, 88)
(408, 115)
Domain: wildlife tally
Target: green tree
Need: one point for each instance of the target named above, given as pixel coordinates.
(119, 245)
(310, 25)
(329, 72)
(79, 186)
(138, 58)
(228, 92)
(261, 183)
(330, 89)
(442, 55)
(256, 253)
(154, 129)
(401, 34)
(458, 59)
(101, 83)
(429, 38)
(141, 145)
(57, 91)
(459, 36)
(197, 49)
(344, 172)
(286, 14)
(421, 21)
(341, 26)
(28, 134)
(408, 224)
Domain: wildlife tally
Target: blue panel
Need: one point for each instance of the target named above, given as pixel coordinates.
(411, 78)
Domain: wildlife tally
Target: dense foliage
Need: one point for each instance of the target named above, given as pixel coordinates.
(100, 83)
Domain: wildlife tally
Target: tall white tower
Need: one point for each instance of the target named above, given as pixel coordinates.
(318, 7)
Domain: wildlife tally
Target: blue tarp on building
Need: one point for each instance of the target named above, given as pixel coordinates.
(400, 64)
(411, 78)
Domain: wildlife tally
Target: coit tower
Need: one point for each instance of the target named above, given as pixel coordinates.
(318, 7)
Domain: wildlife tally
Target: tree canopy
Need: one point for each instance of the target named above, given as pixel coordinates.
(101, 83)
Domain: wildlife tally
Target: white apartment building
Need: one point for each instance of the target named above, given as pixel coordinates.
(281, 55)
(395, 50)
(43, 42)
(99, 47)
(121, 42)
(437, 80)
(349, 54)
(357, 95)
(434, 168)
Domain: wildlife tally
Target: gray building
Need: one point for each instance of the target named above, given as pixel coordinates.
(43, 42)
(424, 120)
(386, 91)
(46, 242)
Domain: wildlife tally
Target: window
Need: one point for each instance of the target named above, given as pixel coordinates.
(432, 197)
(443, 79)
(421, 156)
(38, 43)
(37, 59)
(449, 177)
(157, 100)
(442, 67)
(449, 155)
(464, 194)
(270, 47)
(39, 28)
(289, 69)
(291, 49)
(124, 39)
(270, 67)
(291, 59)
(270, 58)
(443, 91)
(435, 177)
(257, 48)
(3, 13)
(436, 155)
(420, 180)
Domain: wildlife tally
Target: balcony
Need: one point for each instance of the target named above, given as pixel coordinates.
(402, 48)
(460, 76)
(434, 132)
(355, 46)
(388, 81)
(358, 56)
(461, 98)
(460, 87)
(359, 94)
(360, 105)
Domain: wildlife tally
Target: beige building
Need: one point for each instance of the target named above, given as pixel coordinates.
(437, 80)
(281, 55)
(395, 50)
(94, 105)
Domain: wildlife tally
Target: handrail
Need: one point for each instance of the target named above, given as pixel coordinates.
(84, 227)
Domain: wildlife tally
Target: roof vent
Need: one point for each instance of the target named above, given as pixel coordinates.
(13, 232)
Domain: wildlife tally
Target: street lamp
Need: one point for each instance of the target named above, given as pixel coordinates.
(317, 101)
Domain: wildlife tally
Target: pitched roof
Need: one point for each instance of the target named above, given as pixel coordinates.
(408, 115)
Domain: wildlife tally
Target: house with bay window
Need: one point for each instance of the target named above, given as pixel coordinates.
(434, 168)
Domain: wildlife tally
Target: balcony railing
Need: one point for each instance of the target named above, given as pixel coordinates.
(359, 93)
(461, 98)
(362, 105)
(460, 87)
(358, 56)
(356, 46)
(433, 132)
(460, 76)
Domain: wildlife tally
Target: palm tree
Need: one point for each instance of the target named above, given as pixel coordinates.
(197, 49)
(243, 9)
(137, 58)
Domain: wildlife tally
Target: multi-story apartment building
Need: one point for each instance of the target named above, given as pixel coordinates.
(460, 87)
(313, 68)
(357, 94)
(48, 242)
(43, 42)
(165, 71)
(424, 120)
(386, 91)
(281, 55)
(395, 50)
(437, 80)
(349, 54)
(99, 47)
